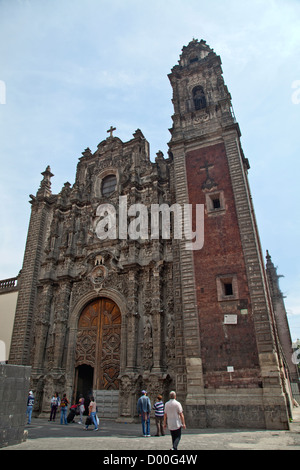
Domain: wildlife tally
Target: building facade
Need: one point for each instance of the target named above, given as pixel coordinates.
(284, 335)
(111, 306)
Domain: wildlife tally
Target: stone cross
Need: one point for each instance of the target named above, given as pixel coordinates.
(209, 183)
(206, 167)
(111, 130)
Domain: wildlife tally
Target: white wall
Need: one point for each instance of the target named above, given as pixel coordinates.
(8, 304)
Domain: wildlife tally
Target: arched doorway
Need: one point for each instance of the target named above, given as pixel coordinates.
(98, 346)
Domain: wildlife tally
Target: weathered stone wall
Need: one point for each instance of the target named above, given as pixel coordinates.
(14, 386)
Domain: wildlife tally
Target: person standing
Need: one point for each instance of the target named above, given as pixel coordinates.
(64, 409)
(54, 405)
(81, 408)
(144, 408)
(159, 416)
(30, 403)
(175, 418)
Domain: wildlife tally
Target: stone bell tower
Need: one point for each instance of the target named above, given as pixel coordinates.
(233, 367)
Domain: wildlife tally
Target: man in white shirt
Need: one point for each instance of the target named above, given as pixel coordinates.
(175, 418)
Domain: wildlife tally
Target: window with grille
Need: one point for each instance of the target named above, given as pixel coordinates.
(227, 287)
(215, 203)
(109, 185)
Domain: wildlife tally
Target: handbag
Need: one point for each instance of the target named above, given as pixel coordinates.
(88, 421)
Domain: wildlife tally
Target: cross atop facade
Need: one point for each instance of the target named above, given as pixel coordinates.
(111, 130)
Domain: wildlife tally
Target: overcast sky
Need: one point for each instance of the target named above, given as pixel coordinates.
(69, 69)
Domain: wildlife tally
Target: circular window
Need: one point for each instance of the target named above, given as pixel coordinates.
(109, 184)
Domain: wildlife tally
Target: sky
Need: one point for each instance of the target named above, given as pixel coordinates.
(69, 69)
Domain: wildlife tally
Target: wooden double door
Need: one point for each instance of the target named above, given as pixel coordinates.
(99, 343)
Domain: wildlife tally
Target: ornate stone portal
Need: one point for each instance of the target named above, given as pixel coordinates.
(99, 342)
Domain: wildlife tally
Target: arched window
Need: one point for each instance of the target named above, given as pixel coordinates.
(199, 98)
(109, 184)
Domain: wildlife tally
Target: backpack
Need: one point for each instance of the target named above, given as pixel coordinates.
(63, 402)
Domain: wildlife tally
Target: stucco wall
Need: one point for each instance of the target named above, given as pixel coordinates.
(8, 302)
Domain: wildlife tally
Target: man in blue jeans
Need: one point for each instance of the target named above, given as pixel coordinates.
(64, 409)
(144, 408)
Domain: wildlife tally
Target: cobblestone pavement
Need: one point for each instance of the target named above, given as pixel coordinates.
(44, 435)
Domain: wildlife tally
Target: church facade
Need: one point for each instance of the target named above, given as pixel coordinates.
(112, 315)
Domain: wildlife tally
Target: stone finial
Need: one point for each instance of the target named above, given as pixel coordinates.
(45, 186)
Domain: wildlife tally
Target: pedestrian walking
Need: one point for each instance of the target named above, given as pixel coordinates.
(144, 408)
(92, 415)
(30, 403)
(81, 408)
(55, 402)
(64, 409)
(159, 416)
(175, 419)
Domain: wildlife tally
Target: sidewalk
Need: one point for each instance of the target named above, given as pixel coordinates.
(44, 435)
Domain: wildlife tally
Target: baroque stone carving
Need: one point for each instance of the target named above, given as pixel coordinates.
(148, 346)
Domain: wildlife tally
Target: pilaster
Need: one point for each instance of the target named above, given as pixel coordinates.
(157, 313)
(42, 324)
(61, 322)
(21, 337)
(132, 322)
(190, 322)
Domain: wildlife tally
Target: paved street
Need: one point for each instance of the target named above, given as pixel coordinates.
(44, 435)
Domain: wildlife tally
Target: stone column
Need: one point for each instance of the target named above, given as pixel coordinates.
(42, 324)
(60, 322)
(132, 321)
(157, 312)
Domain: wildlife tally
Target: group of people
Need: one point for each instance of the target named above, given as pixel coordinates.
(170, 414)
(63, 403)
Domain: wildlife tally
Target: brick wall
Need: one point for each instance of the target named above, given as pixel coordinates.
(14, 387)
(221, 259)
